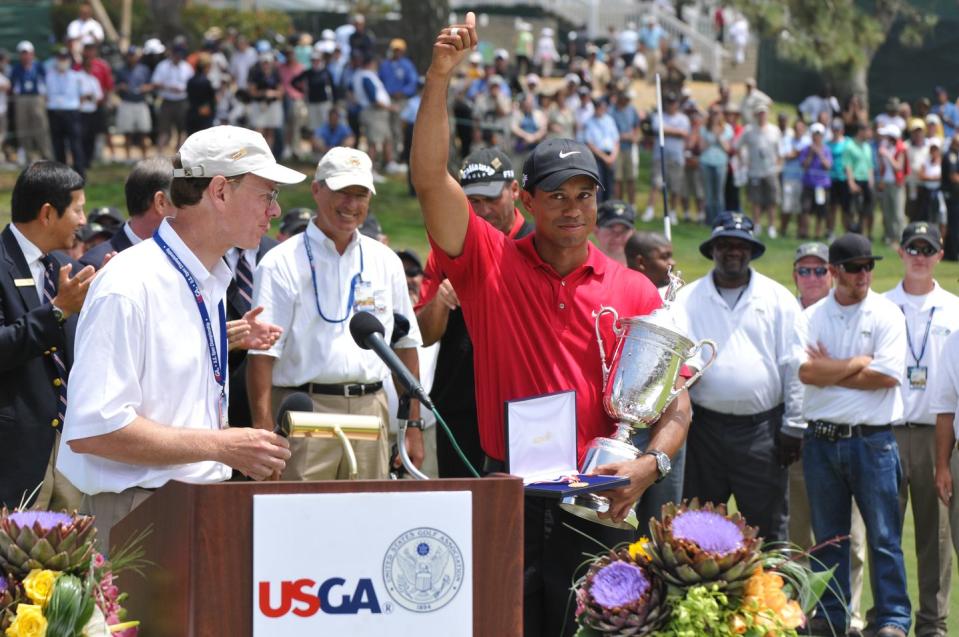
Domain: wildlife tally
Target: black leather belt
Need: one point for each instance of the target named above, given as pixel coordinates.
(833, 431)
(347, 390)
(744, 420)
(916, 425)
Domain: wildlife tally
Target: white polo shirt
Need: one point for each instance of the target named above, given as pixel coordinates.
(945, 384)
(943, 310)
(314, 349)
(875, 327)
(752, 372)
(141, 350)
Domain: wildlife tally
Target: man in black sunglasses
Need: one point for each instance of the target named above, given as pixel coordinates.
(811, 273)
(931, 314)
(851, 355)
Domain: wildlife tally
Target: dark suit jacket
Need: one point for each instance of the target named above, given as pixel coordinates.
(28, 399)
(239, 409)
(117, 243)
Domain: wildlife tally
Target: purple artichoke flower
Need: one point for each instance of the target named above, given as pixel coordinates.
(619, 584)
(713, 532)
(48, 519)
(4, 587)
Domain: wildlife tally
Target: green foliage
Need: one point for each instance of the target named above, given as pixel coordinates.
(703, 611)
(255, 24)
(836, 35)
(70, 607)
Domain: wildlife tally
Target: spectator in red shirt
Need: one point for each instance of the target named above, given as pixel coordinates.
(528, 305)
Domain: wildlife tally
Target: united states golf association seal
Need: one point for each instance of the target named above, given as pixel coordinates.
(423, 570)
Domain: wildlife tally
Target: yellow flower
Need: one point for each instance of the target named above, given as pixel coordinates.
(39, 585)
(737, 624)
(791, 615)
(29, 622)
(638, 548)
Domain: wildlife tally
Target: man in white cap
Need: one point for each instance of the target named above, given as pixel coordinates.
(29, 86)
(151, 406)
(311, 286)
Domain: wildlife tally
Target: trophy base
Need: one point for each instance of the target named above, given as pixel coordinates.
(588, 505)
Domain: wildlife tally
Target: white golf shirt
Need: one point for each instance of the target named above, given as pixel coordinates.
(141, 350)
(314, 349)
(752, 372)
(937, 312)
(875, 327)
(945, 384)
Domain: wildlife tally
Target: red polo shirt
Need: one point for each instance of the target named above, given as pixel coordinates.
(433, 275)
(532, 330)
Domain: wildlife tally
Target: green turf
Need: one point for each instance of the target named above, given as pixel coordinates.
(400, 217)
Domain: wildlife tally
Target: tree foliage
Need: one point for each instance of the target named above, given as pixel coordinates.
(836, 37)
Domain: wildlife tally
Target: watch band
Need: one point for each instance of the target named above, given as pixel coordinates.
(416, 423)
(663, 464)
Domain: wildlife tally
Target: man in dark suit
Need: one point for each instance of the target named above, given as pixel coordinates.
(39, 301)
(148, 202)
(239, 297)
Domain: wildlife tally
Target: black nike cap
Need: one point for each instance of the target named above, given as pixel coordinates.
(555, 161)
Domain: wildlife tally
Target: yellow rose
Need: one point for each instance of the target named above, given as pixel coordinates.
(638, 549)
(39, 585)
(29, 622)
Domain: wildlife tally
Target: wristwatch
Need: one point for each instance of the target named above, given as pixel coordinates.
(415, 424)
(663, 465)
(58, 314)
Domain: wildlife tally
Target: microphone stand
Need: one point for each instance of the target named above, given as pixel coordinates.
(402, 416)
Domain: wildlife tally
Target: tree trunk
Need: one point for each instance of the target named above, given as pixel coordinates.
(424, 17)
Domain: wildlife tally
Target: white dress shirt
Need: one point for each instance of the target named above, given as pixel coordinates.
(233, 257)
(315, 350)
(945, 320)
(945, 384)
(32, 255)
(875, 327)
(173, 77)
(752, 372)
(78, 29)
(141, 350)
(131, 235)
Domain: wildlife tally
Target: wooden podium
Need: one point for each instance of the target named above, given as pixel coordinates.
(202, 549)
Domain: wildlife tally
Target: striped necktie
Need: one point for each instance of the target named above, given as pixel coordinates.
(244, 280)
(51, 272)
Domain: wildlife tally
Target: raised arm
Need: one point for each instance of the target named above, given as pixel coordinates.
(443, 202)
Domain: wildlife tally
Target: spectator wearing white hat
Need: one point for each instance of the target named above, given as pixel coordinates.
(311, 285)
(546, 54)
(29, 86)
(125, 437)
(893, 166)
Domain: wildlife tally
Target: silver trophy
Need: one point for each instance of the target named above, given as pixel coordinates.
(637, 387)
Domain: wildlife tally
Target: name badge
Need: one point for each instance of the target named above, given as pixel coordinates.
(820, 196)
(918, 376)
(24, 283)
(222, 411)
(364, 301)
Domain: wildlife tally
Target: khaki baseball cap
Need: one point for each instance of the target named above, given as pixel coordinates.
(230, 151)
(342, 167)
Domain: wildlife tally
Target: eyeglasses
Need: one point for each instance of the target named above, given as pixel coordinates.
(856, 268)
(819, 271)
(926, 251)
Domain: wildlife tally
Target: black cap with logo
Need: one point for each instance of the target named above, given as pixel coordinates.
(737, 226)
(484, 172)
(554, 161)
(850, 247)
(615, 211)
(296, 221)
(921, 231)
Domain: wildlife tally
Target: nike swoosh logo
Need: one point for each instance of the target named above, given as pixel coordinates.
(565, 155)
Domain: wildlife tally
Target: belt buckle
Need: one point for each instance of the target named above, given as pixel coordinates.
(849, 431)
(346, 391)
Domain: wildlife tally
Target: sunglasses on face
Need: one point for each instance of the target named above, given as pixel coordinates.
(926, 251)
(819, 271)
(856, 268)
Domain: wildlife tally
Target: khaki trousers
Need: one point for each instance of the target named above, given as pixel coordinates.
(57, 493)
(33, 129)
(323, 458)
(110, 508)
(917, 454)
(800, 534)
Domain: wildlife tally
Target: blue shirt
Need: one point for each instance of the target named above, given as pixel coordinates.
(28, 81)
(333, 137)
(134, 79)
(64, 91)
(399, 76)
(479, 86)
(947, 111)
(650, 37)
(627, 120)
(601, 132)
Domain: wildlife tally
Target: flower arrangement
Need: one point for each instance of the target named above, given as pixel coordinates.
(702, 572)
(53, 583)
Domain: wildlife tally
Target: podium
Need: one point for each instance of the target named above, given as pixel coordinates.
(201, 547)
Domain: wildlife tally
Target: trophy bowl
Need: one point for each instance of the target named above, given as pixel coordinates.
(637, 388)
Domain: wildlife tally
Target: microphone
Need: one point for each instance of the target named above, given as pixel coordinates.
(368, 333)
(297, 401)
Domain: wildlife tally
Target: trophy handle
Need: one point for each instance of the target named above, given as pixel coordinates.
(617, 329)
(697, 375)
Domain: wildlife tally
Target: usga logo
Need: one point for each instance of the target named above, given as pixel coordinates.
(304, 598)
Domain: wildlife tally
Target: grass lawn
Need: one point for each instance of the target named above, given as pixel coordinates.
(401, 221)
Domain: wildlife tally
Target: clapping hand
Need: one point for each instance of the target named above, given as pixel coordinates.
(250, 332)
